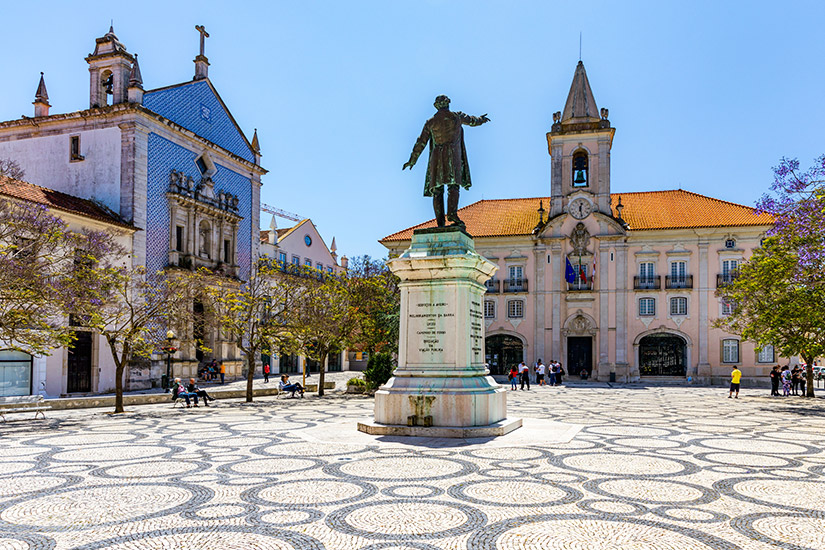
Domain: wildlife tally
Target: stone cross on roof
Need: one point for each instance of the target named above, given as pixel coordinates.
(204, 35)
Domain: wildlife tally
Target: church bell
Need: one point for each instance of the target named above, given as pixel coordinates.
(579, 177)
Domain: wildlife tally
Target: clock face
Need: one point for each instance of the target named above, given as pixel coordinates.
(308, 240)
(580, 208)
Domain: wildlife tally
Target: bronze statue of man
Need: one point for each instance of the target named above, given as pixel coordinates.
(448, 158)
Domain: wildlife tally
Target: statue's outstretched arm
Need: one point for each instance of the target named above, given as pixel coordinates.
(418, 148)
(473, 120)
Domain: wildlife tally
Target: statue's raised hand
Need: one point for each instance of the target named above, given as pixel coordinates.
(409, 164)
(484, 118)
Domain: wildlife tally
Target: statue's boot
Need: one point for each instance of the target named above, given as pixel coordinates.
(438, 206)
(452, 206)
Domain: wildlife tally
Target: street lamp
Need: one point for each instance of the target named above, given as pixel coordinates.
(169, 348)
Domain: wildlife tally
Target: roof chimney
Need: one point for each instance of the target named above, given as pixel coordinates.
(41, 99)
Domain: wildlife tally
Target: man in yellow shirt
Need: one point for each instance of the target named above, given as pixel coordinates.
(735, 376)
(223, 372)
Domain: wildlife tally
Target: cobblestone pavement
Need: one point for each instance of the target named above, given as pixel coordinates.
(651, 468)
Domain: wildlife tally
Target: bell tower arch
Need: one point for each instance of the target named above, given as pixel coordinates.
(579, 144)
(109, 69)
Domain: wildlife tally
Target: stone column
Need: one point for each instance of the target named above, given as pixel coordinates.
(557, 266)
(605, 367)
(702, 369)
(539, 294)
(622, 364)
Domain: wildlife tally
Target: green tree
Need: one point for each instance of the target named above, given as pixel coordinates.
(772, 306)
(376, 299)
(254, 314)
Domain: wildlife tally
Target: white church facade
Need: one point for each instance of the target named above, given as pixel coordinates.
(170, 162)
(619, 285)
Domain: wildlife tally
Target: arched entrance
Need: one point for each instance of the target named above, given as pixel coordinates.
(662, 354)
(502, 352)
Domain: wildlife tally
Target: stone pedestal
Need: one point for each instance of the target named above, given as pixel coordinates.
(441, 379)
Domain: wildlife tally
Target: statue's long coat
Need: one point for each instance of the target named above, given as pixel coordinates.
(448, 156)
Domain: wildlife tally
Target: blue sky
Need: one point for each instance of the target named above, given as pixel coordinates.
(705, 96)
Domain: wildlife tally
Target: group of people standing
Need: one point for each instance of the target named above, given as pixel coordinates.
(793, 382)
(521, 374)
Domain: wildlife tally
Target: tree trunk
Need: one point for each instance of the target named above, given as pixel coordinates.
(321, 372)
(250, 375)
(809, 376)
(119, 368)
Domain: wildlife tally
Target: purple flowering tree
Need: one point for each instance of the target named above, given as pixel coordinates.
(778, 296)
(38, 277)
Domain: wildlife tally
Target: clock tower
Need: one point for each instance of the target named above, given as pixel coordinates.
(579, 144)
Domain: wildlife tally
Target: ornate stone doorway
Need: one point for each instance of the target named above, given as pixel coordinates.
(579, 355)
(502, 352)
(662, 355)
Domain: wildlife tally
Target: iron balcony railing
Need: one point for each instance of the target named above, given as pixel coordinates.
(651, 282)
(580, 286)
(515, 285)
(723, 279)
(682, 281)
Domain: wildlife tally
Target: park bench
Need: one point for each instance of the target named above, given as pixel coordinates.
(21, 404)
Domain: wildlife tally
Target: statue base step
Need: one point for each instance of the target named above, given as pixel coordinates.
(502, 427)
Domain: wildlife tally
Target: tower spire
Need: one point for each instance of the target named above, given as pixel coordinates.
(41, 99)
(580, 105)
(135, 78)
(255, 145)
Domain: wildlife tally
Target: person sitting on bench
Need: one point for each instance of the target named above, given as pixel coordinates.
(179, 391)
(193, 388)
(286, 386)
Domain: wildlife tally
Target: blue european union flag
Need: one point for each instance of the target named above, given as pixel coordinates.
(569, 272)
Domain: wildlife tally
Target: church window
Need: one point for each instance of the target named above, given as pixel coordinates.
(766, 355)
(580, 171)
(205, 165)
(489, 309)
(227, 251)
(74, 149)
(515, 309)
(201, 165)
(179, 238)
(730, 351)
(678, 306)
(647, 307)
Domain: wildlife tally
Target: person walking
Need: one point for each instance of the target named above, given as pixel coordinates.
(223, 372)
(266, 373)
(513, 377)
(524, 374)
(540, 368)
(775, 381)
(735, 376)
(559, 374)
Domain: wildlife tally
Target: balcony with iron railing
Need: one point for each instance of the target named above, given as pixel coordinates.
(680, 281)
(727, 278)
(649, 282)
(493, 286)
(515, 285)
(580, 286)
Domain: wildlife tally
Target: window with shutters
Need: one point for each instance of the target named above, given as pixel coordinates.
(730, 351)
(678, 306)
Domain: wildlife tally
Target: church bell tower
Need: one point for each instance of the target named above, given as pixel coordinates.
(109, 69)
(579, 144)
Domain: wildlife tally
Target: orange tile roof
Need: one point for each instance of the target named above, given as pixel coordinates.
(649, 210)
(59, 201)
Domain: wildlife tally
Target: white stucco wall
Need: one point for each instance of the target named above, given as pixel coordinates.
(47, 163)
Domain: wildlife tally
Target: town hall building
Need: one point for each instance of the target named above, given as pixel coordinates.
(170, 163)
(618, 285)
